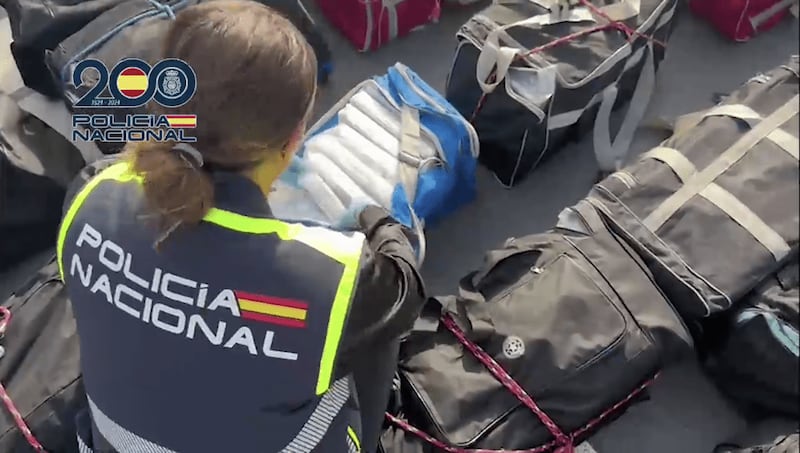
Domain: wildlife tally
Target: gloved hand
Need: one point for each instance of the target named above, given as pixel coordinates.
(350, 220)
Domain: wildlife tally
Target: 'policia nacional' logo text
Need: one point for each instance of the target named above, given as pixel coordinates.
(129, 85)
(161, 299)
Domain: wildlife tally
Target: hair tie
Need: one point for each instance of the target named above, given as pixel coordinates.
(185, 149)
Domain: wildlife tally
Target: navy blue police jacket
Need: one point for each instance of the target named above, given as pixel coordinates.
(233, 335)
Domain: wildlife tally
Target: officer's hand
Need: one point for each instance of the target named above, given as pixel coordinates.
(351, 219)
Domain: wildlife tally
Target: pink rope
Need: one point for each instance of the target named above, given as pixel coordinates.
(5, 320)
(563, 443)
(508, 382)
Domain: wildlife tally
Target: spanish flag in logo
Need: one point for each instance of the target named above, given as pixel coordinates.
(272, 310)
(181, 121)
(132, 83)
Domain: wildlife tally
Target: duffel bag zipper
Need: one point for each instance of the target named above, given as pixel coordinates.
(534, 271)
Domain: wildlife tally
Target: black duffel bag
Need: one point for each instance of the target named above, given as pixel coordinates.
(758, 364)
(40, 368)
(39, 27)
(531, 78)
(552, 337)
(37, 162)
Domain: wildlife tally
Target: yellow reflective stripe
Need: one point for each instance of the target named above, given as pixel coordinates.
(352, 434)
(338, 246)
(116, 172)
(341, 306)
(331, 243)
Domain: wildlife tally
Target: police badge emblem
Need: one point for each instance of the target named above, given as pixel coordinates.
(171, 85)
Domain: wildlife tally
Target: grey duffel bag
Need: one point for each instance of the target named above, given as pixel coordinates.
(531, 76)
(714, 209)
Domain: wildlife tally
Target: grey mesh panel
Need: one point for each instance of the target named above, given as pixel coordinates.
(120, 438)
(329, 407)
(82, 447)
(351, 446)
(317, 425)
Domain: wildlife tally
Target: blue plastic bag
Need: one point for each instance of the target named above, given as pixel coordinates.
(440, 184)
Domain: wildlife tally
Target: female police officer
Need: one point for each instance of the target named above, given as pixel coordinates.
(205, 324)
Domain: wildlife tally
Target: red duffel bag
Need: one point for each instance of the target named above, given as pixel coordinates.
(369, 24)
(740, 20)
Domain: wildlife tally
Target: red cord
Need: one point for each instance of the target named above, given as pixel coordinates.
(563, 443)
(5, 320)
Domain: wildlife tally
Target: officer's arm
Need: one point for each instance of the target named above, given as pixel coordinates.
(85, 175)
(389, 294)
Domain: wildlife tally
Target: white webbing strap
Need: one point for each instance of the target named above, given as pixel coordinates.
(610, 155)
(740, 111)
(493, 59)
(410, 135)
(685, 122)
(765, 15)
(674, 159)
(728, 158)
(783, 139)
(786, 142)
(390, 7)
(724, 200)
(55, 114)
(747, 219)
(622, 11)
(409, 145)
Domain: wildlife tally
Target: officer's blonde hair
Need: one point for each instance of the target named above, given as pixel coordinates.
(256, 79)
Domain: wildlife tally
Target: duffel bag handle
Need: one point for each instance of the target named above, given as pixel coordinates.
(495, 59)
(493, 62)
(610, 154)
